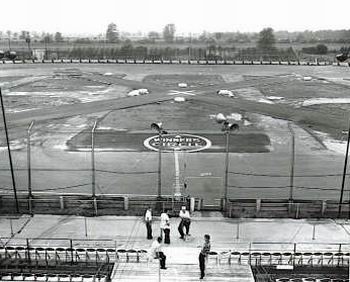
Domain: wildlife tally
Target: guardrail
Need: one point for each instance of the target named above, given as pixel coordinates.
(281, 208)
(130, 204)
(176, 61)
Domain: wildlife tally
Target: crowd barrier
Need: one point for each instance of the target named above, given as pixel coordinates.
(175, 61)
(321, 259)
(84, 204)
(52, 277)
(310, 279)
(280, 208)
(53, 256)
(32, 263)
(113, 204)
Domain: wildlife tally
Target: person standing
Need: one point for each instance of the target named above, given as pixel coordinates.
(148, 221)
(157, 253)
(164, 219)
(185, 222)
(167, 233)
(203, 254)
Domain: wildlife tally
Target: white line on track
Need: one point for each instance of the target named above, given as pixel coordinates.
(176, 92)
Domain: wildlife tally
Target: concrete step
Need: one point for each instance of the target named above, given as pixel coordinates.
(125, 272)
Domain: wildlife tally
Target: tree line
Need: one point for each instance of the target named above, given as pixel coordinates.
(210, 46)
(168, 34)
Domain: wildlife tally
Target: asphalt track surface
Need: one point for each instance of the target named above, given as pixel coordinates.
(158, 94)
(303, 116)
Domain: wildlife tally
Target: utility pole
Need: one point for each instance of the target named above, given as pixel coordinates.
(9, 151)
(159, 128)
(190, 47)
(93, 188)
(227, 128)
(160, 165)
(30, 195)
(292, 164)
(227, 145)
(344, 175)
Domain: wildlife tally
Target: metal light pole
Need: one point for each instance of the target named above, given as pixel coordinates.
(227, 127)
(159, 128)
(93, 178)
(344, 175)
(9, 151)
(30, 195)
(292, 164)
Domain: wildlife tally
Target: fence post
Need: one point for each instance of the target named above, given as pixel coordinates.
(61, 202)
(324, 206)
(126, 203)
(28, 252)
(297, 211)
(11, 227)
(85, 225)
(258, 205)
(192, 204)
(95, 205)
(30, 205)
(71, 251)
(290, 207)
(237, 229)
(339, 251)
(199, 204)
(116, 252)
(30, 195)
(294, 250)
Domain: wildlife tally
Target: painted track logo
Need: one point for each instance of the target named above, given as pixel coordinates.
(178, 142)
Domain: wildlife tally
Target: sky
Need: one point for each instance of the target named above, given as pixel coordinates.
(189, 16)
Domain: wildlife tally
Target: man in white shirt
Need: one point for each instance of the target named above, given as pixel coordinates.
(148, 221)
(185, 222)
(157, 253)
(164, 219)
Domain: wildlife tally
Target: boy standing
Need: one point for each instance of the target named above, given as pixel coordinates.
(203, 254)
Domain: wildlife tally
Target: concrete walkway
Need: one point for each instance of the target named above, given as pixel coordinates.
(182, 256)
(128, 272)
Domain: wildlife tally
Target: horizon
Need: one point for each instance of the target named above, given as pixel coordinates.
(84, 18)
(184, 34)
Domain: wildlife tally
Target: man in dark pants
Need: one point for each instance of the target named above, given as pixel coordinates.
(203, 254)
(157, 252)
(167, 233)
(185, 222)
(148, 221)
(180, 228)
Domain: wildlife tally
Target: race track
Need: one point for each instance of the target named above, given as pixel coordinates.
(268, 101)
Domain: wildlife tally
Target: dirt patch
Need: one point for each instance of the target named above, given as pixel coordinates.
(6, 79)
(58, 83)
(59, 90)
(299, 89)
